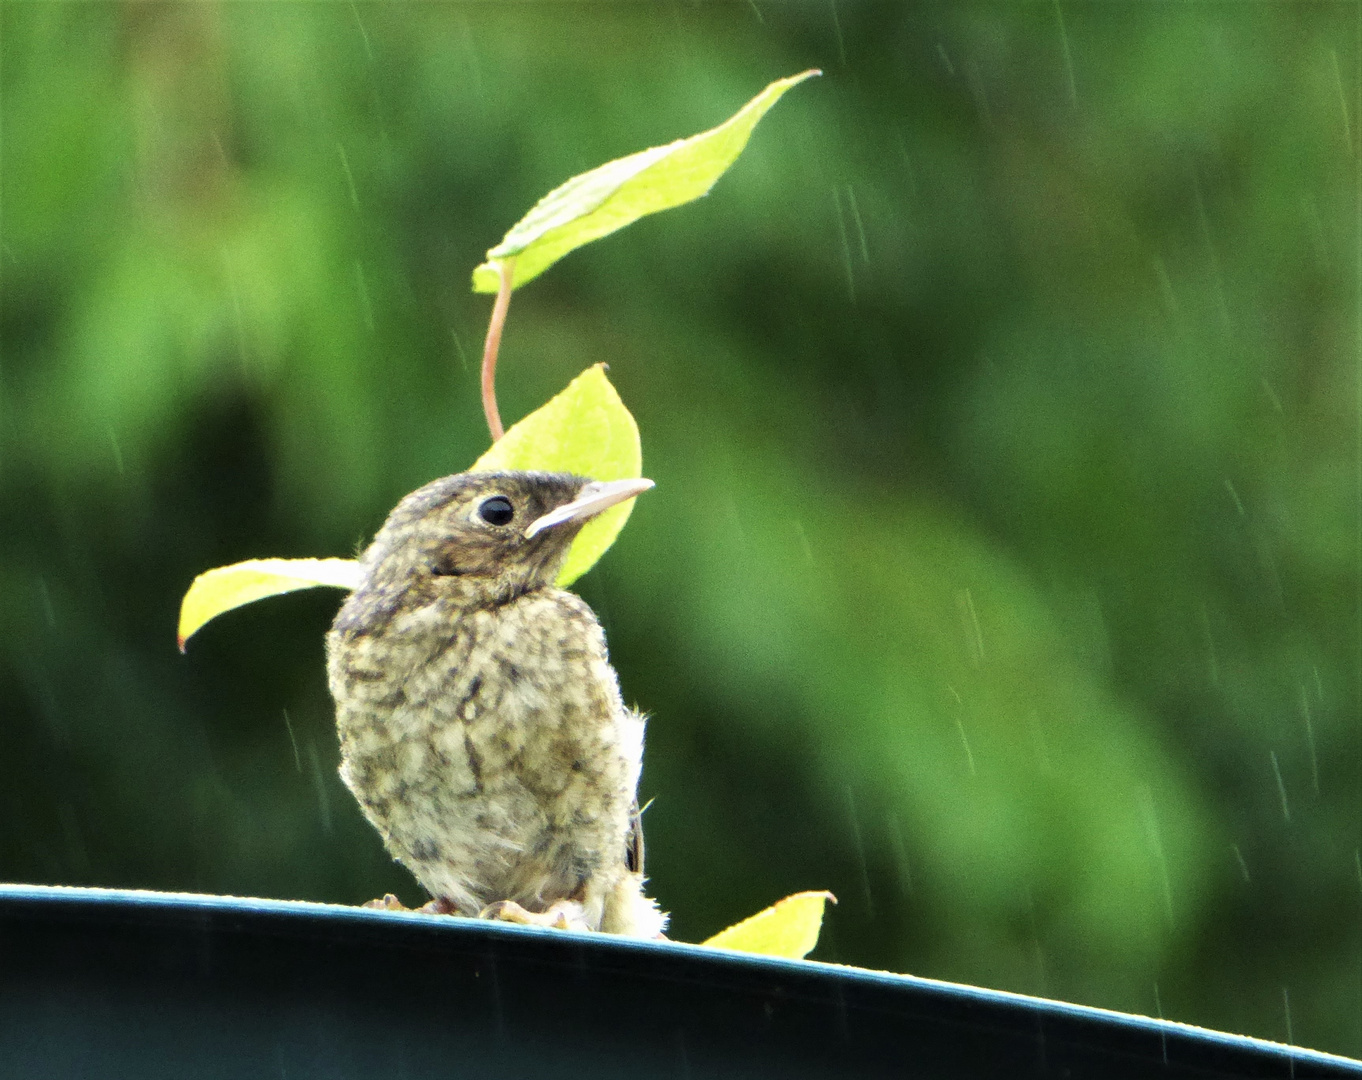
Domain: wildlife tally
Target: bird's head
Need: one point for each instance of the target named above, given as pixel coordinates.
(488, 536)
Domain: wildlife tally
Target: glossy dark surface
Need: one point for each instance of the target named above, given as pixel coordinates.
(147, 985)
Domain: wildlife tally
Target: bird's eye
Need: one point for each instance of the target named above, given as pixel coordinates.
(497, 510)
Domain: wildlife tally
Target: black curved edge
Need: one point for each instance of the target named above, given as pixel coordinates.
(109, 983)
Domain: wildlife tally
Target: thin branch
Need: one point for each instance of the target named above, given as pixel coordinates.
(506, 268)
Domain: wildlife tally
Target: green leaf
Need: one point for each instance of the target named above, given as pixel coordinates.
(585, 430)
(607, 198)
(789, 927)
(227, 587)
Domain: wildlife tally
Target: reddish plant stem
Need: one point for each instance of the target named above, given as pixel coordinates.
(506, 267)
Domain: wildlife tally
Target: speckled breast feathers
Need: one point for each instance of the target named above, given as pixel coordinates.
(481, 724)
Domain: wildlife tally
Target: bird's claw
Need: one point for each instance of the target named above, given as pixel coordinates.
(389, 902)
(560, 915)
(438, 906)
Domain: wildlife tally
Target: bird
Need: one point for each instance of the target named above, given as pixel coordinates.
(481, 724)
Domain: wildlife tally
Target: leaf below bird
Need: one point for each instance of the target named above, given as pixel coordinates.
(609, 197)
(226, 587)
(585, 430)
(789, 927)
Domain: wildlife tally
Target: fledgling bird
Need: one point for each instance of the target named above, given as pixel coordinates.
(481, 723)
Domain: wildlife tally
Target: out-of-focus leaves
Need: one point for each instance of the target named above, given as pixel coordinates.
(609, 197)
(1002, 573)
(226, 587)
(977, 723)
(789, 927)
(585, 430)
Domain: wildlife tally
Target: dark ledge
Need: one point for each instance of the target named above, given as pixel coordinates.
(129, 984)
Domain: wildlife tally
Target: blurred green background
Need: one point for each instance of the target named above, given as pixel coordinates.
(1003, 569)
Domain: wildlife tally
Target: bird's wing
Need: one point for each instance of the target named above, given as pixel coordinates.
(633, 844)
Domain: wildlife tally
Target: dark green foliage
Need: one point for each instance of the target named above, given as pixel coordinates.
(1003, 571)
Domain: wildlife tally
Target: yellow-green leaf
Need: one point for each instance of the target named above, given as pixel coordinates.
(609, 197)
(584, 430)
(788, 927)
(227, 587)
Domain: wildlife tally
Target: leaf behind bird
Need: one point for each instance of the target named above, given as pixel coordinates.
(585, 430)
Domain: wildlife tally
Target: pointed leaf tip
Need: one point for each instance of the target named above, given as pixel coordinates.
(226, 587)
(788, 928)
(611, 196)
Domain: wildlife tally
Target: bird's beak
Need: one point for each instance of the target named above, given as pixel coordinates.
(591, 500)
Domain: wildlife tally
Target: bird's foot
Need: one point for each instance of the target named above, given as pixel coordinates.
(388, 902)
(438, 906)
(560, 915)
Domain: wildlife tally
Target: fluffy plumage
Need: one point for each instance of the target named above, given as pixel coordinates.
(481, 724)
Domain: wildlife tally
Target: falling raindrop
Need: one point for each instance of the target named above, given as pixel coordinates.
(1155, 839)
(1068, 55)
(964, 741)
(1212, 255)
(458, 347)
(856, 220)
(1272, 396)
(1234, 495)
(470, 51)
(363, 34)
(349, 176)
(288, 724)
(941, 52)
(1342, 101)
(1163, 1034)
(1281, 786)
(319, 785)
(45, 602)
(1310, 739)
(969, 618)
(859, 847)
(975, 79)
(803, 541)
(846, 245)
(1290, 1034)
(837, 28)
(1165, 285)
